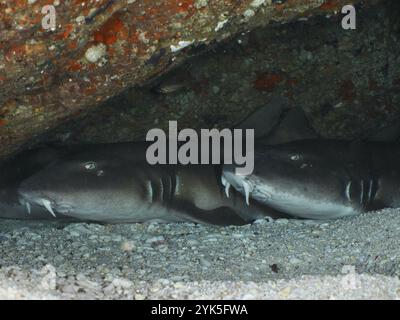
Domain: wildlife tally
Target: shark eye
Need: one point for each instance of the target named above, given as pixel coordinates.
(295, 157)
(90, 165)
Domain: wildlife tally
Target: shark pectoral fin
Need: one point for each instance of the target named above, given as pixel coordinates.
(222, 216)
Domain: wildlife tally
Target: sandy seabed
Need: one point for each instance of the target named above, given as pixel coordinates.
(351, 258)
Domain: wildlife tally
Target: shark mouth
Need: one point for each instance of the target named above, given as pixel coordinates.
(246, 186)
(42, 202)
(226, 184)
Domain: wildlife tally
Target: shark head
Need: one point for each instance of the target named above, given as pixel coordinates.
(296, 179)
(91, 186)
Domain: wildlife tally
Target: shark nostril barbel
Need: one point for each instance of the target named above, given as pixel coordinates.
(227, 187)
(226, 184)
(28, 207)
(248, 188)
(47, 205)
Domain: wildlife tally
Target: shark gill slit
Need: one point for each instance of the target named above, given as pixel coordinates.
(370, 190)
(166, 182)
(361, 191)
(150, 193)
(171, 184)
(375, 187)
(162, 189)
(348, 187)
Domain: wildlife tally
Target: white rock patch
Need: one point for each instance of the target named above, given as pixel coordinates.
(94, 53)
